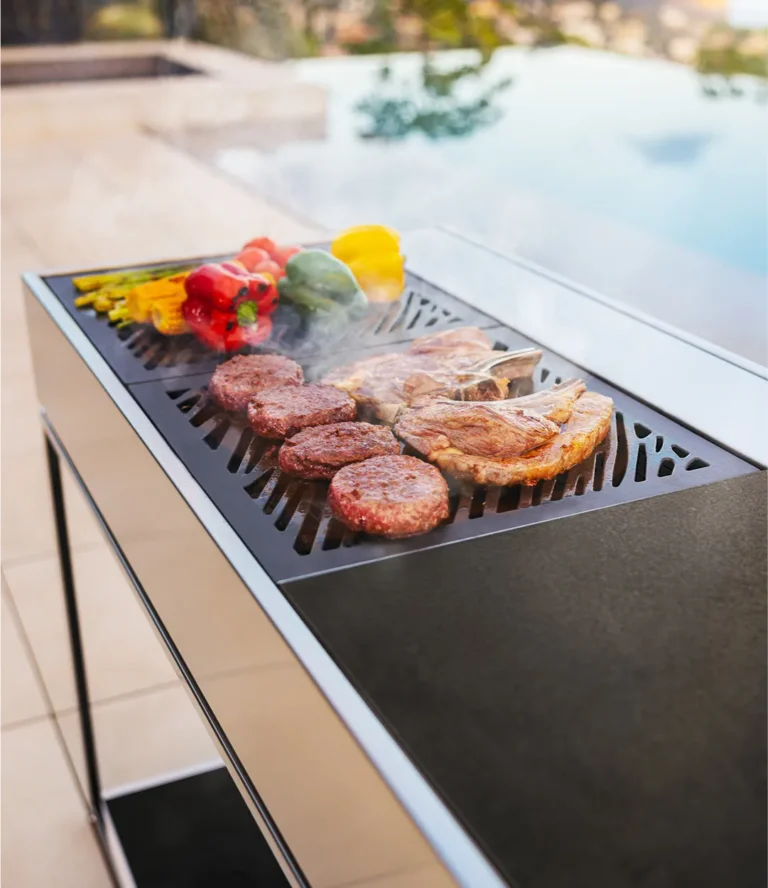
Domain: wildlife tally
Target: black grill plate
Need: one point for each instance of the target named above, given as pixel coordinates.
(286, 522)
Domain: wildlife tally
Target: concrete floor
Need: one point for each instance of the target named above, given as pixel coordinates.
(85, 185)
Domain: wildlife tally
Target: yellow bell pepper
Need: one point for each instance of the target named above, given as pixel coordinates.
(142, 300)
(372, 253)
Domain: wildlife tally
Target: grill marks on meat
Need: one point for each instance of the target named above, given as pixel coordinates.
(319, 452)
(395, 496)
(459, 364)
(499, 429)
(281, 412)
(589, 424)
(237, 380)
(477, 429)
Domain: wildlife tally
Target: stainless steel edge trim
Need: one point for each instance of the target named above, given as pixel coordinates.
(451, 843)
(623, 308)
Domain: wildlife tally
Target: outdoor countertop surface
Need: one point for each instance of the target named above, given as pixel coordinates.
(589, 694)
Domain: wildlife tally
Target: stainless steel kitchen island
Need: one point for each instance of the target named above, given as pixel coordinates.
(564, 685)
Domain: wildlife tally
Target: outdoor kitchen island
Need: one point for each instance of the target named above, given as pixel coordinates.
(564, 685)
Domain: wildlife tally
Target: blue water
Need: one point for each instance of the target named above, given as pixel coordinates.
(620, 140)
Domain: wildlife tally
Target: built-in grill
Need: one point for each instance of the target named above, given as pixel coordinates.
(536, 679)
(287, 523)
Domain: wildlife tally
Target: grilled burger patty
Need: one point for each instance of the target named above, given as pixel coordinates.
(237, 380)
(395, 496)
(320, 451)
(281, 412)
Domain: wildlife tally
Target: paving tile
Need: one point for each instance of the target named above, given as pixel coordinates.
(123, 655)
(21, 694)
(142, 738)
(46, 838)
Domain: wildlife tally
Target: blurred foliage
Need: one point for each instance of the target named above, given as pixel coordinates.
(727, 56)
(274, 30)
(124, 21)
(455, 24)
(436, 111)
(258, 27)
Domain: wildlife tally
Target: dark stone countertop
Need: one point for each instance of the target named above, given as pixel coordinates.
(588, 694)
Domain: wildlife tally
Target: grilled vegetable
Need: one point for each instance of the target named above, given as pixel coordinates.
(168, 317)
(372, 253)
(135, 296)
(227, 307)
(89, 283)
(142, 300)
(265, 256)
(317, 281)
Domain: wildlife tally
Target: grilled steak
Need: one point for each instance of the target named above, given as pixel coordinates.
(587, 427)
(237, 380)
(281, 412)
(320, 452)
(499, 429)
(395, 496)
(462, 369)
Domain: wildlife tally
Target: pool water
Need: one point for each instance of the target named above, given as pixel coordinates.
(618, 172)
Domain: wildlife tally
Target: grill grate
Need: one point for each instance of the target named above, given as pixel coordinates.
(631, 453)
(645, 454)
(140, 353)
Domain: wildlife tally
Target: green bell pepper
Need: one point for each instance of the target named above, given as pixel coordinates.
(319, 284)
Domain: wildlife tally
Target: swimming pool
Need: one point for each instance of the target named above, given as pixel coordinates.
(617, 172)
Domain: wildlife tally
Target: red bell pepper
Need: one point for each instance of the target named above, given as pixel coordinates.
(227, 307)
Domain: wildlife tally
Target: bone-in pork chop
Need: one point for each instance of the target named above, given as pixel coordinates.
(589, 424)
(498, 429)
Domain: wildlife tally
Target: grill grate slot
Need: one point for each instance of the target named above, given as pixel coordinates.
(256, 488)
(641, 463)
(241, 448)
(666, 467)
(215, 436)
(622, 452)
(597, 483)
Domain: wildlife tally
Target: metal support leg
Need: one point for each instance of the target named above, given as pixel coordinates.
(75, 638)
